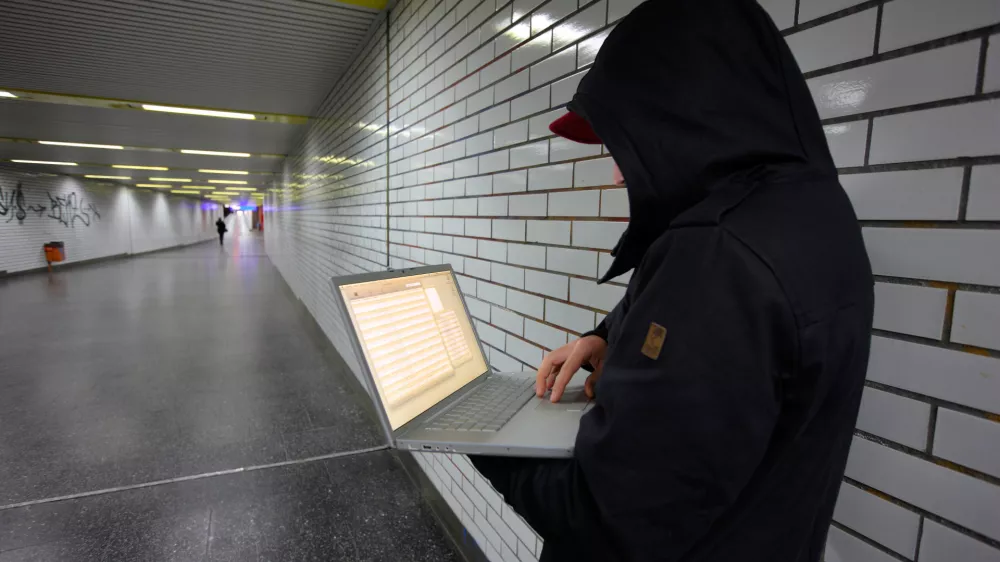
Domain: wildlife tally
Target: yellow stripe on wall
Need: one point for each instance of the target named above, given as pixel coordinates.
(373, 4)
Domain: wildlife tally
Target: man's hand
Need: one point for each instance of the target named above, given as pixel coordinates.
(559, 366)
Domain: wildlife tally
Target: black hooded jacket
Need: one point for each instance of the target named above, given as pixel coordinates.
(730, 444)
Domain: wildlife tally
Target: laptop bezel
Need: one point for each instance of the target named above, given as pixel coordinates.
(338, 282)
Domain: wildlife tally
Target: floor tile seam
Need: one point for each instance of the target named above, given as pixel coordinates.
(179, 479)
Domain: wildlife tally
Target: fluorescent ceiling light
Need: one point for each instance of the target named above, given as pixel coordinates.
(200, 187)
(130, 167)
(221, 193)
(44, 162)
(7, 95)
(242, 188)
(232, 182)
(152, 185)
(93, 177)
(215, 153)
(185, 192)
(172, 180)
(202, 112)
(83, 145)
(233, 172)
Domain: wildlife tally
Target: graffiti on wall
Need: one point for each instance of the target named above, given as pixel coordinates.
(68, 210)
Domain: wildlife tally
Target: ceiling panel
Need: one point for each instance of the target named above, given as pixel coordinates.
(278, 56)
(24, 151)
(70, 123)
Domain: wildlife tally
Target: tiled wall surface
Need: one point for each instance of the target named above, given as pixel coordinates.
(93, 219)
(434, 148)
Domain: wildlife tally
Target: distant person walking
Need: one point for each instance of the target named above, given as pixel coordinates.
(221, 227)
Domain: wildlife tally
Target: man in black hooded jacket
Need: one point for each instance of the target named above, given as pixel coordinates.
(728, 378)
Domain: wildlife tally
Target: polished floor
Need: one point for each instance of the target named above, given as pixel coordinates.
(179, 364)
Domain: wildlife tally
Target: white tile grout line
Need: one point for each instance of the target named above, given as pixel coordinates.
(193, 477)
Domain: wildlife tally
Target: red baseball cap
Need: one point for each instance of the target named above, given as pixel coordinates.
(575, 128)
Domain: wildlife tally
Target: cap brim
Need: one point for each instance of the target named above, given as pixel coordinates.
(575, 128)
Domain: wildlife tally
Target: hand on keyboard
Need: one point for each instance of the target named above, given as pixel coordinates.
(559, 366)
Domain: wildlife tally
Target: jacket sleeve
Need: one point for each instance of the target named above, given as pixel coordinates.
(677, 431)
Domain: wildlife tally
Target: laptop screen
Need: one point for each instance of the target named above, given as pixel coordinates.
(417, 340)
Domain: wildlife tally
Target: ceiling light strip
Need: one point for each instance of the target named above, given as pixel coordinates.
(44, 162)
(201, 112)
(83, 145)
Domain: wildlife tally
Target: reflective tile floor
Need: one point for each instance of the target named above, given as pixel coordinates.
(178, 364)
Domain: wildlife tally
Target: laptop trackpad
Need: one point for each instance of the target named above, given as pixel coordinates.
(574, 399)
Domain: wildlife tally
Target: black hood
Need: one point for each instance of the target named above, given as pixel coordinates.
(688, 93)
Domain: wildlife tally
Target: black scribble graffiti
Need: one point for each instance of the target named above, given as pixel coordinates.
(67, 210)
(12, 204)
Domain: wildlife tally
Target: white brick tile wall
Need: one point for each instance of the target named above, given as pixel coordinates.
(941, 544)
(491, 293)
(812, 9)
(492, 336)
(984, 191)
(524, 303)
(507, 275)
(614, 203)
(585, 203)
(530, 103)
(525, 352)
(618, 9)
(549, 284)
(529, 154)
(494, 162)
(955, 496)
(589, 293)
(597, 234)
(507, 320)
(511, 134)
(458, 116)
(910, 309)
(588, 48)
(561, 149)
(550, 177)
(977, 319)
(913, 21)
(956, 376)
(888, 524)
(569, 317)
(580, 262)
(899, 82)
(847, 142)
(549, 232)
(496, 251)
(510, 182)
(961, 255)
(967, 440)
(596, 172)
(992, 78)
(524, 254)
(835, 42)
(842, 547)
(582, 24)
(493, 206)
(972, 129)
(528, 205)
(905, 195)
(547, 336)
(556, 66)
(563, 90)
(894, 417)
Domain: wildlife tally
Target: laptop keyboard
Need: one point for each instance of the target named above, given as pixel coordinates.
(488, 408)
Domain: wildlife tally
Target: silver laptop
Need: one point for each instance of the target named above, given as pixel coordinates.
(430, 380)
